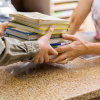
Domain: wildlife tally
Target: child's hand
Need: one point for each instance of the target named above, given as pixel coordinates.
(2, 28)
(45, 47)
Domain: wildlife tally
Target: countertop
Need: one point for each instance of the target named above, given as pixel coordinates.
(77, 80)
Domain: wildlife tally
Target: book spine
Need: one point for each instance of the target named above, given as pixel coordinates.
(28, 33)
(58, 44)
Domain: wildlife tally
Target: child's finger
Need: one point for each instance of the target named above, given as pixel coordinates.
(46, 58)
(53, 51)
(36, 59)
(41, 60)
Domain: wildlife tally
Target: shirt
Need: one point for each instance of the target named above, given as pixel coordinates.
(13, 50)
(96, 16)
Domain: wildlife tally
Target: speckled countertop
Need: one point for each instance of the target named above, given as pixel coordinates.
(77, 80)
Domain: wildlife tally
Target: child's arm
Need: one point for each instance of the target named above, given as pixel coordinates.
(45, 47)
(13, 50)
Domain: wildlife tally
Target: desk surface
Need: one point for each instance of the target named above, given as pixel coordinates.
(77, 80)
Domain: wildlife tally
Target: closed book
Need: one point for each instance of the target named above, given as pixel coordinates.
(65, 6)
(52, 56)
(62, 1)
(62, 43)
(63, 14)
(26, 34)
(52, 40)
(22, 33)
(31, 29)
(20, 38)
(36, 17)
(41, 26)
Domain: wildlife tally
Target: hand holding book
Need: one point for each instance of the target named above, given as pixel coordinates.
(45, 47)
(32, 26)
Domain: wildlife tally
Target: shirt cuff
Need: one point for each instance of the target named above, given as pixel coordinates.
(32, 49)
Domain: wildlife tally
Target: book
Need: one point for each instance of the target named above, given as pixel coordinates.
(36, 17)
(65, 6)
(31, 29)
(59, 44)
(41, 26)
(62, 14)
(60, 1)
(22, 33)
(28, 26)
(52, 56)
(26, 34)
(52, 40)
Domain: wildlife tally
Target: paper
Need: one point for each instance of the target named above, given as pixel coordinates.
(87, 57)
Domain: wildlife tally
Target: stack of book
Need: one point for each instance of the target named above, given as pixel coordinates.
(32, 25)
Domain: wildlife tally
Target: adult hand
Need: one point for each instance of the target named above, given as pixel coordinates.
(45, 47)
(71, 51)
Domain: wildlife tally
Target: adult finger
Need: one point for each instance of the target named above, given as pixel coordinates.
(59, 58)
(69, 37)
(64, 48)
(71, 58)
(64, 61)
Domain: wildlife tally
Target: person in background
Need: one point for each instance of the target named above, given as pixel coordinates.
(13, 50)
(79, 47)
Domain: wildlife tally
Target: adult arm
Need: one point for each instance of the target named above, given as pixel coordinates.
(75, 49)
(79, 15)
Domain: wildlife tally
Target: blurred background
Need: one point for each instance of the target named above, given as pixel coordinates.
(58, 8)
